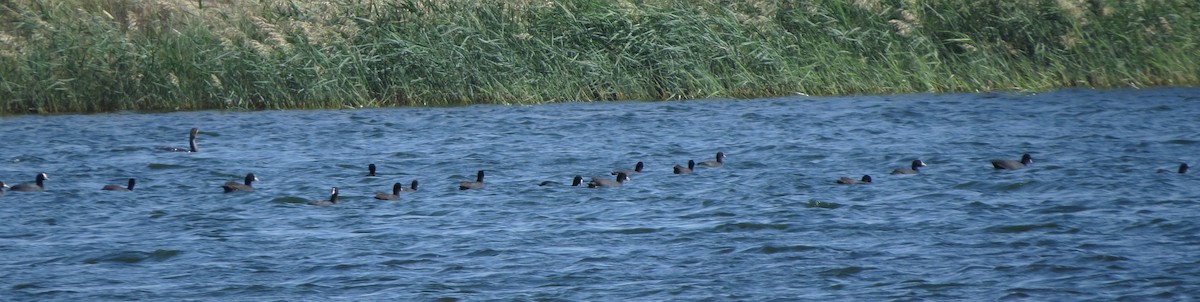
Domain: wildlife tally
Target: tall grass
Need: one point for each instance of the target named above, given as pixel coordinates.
(96, 56)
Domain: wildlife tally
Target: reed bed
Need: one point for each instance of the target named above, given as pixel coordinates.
(168, 55)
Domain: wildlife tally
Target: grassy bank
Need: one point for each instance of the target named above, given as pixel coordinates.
(84, 56)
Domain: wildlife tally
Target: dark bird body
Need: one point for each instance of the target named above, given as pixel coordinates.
(118, 187)
(912, 170)
(866, 179)
(1008, 164)
(477, 184)
(331, 201)
(37, 186)
(601, 182)
(234, 186)
(685, 170)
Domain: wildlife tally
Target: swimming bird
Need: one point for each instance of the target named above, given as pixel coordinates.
(575, 182)
(2, 186)
(913, 170)
(477, 184)
(1182, 169)
(714, 163)
(412, 187)
(1008, 164)
(233, 186)
(685, 170)
(371, 170)
(601, 182)
(866, 179)
(119, 188)
(191, 143)
(37, 186)
(395, 193)
(332, 199)
(636, 169)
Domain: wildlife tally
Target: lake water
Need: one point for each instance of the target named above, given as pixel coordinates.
(1090, 219)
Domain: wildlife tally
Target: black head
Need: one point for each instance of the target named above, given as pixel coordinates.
(414, 185)
(720, 157)
(866, 178)
(917, 163)
(193, 132)
(333, 195)
(479, 176)
(41, 177)
(638, 167)
(131, 182)
(251, 178)
(622, 177)
(371, 170)
(3, 185)
(1026, 159)
(575, 182)
(1183, 168)
(396, 188)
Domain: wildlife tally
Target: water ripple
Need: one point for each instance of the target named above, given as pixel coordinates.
(1089, 220)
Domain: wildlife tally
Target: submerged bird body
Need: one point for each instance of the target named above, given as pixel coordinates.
(191, 143)
(233, 186)
(371, 170)
(601, 182)
(331, 201)
(866, 179)
(685, 170)
(1183, 168)
(119, 188)
(477, 184)
(575, 182)
(1008, 164)
(913, 170)
(37, 186)
(412, 187)
(714, 163)
(395, 193)
(636, 169)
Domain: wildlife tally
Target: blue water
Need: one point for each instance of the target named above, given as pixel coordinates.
(1090, 219)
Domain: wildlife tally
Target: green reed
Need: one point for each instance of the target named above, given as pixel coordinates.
(84, 56)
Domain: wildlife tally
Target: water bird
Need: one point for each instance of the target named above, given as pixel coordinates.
(575, 182)
(1008, 164)
(395, 193)
(601, 182)
(371, 170)
(332, 199)
(1182, 169)
(2, 186)
(636, 169)
(118, 187)
(412, 187)
(913, 170)
(233, 186)
(477, 184)
(866, 179)
(685, 170)
(714, 163)
(191, 143)
(37, 186)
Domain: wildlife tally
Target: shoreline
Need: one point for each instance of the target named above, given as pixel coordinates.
(83, 57)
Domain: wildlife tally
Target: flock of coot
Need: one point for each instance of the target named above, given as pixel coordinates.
(621, 176)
